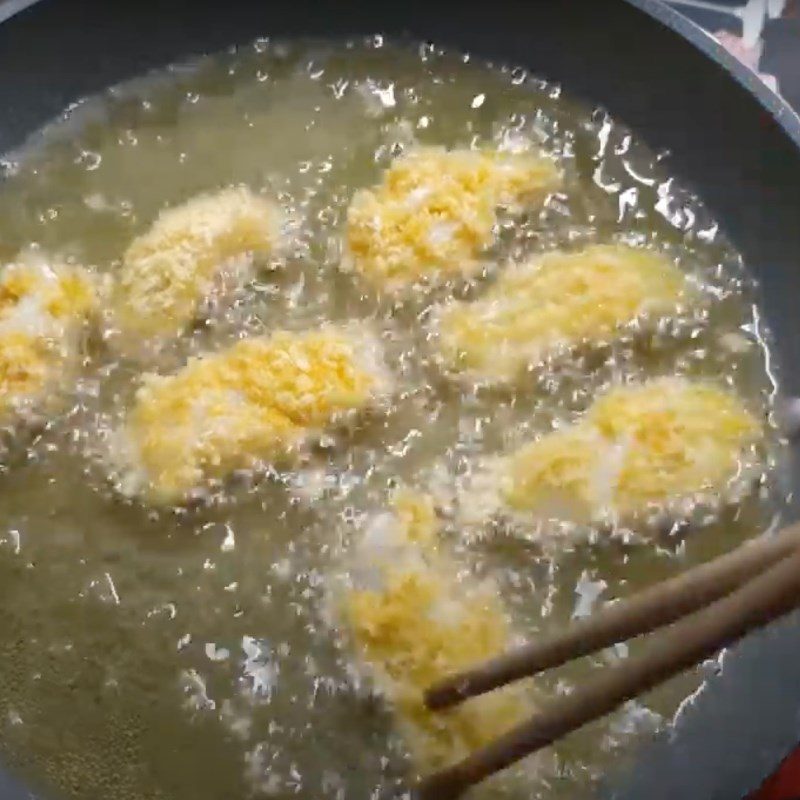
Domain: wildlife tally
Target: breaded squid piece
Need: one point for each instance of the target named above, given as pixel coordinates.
(44, 307)
(661, 444)
(257, 402)
(191, 254)
(411, 620)
(435, 212)
(558, 300)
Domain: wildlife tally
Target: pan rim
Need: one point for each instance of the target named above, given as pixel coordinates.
(779, 109)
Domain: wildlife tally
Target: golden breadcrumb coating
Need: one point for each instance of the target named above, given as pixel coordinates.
(44, 306)
(637, 447)
(190, 254)
(414, 621)
(255, 402)
(557, 300)
(435, 211)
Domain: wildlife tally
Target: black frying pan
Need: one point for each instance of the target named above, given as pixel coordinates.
(730, 138)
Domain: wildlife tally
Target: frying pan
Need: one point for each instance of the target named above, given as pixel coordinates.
(729, 138)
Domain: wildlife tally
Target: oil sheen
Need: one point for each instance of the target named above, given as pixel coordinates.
(170, 653)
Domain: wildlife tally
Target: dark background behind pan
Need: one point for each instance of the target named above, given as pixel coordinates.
(730, 139)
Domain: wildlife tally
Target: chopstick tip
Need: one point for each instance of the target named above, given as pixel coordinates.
(441, 696)
(439, 786)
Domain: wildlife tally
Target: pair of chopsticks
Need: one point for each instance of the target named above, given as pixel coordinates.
(711, 606)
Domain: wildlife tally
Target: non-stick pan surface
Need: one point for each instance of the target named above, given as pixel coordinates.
(728, 137)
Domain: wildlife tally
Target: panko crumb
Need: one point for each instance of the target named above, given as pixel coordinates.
(45, 305)
(256, 403)
(435, 212)
(411, 619)
(554, 302)
(663, 446)
(192, 255)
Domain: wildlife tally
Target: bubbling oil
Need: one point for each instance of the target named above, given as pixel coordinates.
(187, 652)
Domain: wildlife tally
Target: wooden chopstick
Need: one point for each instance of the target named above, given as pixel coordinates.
(643, 612)
(769, 595)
